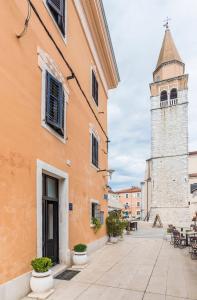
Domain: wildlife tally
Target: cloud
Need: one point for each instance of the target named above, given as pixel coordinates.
(137, 34)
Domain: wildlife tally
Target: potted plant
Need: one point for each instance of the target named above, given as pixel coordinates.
(113, 226)
(80, 254)
(97, 224)
(42, 279)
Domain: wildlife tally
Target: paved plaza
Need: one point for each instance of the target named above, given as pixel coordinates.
(142, 266)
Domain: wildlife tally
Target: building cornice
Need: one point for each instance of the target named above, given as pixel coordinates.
(169, 79)
(92, 17)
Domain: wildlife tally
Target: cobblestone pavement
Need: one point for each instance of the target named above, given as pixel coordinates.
(143, 266)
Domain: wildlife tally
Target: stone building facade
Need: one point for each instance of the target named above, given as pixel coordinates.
(168, 179)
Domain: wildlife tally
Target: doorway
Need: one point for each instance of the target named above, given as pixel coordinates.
(50, 218)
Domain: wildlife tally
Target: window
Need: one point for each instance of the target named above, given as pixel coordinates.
(94, 88)
(138, 203)
(96, 212)
(164, 96)
(94, 151)
(138, 213)
(54, 104)
(127, 195)
(173, 94)
(57, 9)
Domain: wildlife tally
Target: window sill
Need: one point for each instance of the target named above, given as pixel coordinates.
(92, 225)
(94, 167)
(53, 132)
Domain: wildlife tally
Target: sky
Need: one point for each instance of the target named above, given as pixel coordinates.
(136, 28)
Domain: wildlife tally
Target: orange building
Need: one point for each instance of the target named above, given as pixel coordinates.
(131, 202)
(55, 75)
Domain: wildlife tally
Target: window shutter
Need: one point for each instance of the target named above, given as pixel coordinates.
(57, 8)
(54, 103)
(97, 211)
(94, 88)
(93, 149)
(102, 217)
(96, 91)
(57, 5)
(93, 84)
(96, 152)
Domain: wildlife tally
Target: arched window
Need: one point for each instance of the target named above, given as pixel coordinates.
(164, 96)
(173, 94)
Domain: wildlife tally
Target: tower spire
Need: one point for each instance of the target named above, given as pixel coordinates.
(168, 50)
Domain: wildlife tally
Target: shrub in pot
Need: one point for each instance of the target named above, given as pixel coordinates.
(80, 254)
(42, 279)
(113, 224)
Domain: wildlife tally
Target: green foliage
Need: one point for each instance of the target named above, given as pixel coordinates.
(80, 248)
(115, 225)
(97, 224)
(41, 264)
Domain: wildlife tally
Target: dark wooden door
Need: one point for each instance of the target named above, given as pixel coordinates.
(50, 220)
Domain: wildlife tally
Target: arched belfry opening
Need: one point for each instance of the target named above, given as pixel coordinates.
(164, 96)
(173, 93)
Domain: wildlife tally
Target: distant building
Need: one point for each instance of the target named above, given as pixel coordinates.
(114, 201)
(131, 202)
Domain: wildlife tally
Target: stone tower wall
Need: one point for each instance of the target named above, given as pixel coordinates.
(169, 152)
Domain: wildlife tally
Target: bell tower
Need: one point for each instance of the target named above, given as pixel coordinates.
(169, 136)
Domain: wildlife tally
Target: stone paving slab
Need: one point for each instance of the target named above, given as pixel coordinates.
(138, 268)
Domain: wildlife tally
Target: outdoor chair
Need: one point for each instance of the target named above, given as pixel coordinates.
(193, 247)
(179, 240)
(173, 229)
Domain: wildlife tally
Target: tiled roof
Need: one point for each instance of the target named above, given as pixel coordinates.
(193, 153)
(168, 50)
(129, 190)
(193, 175)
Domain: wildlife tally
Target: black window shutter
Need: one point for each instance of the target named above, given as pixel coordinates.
(54, 104)
(94, 151)
(93, 84)
(96, 92)
(57, 8)
(94, 88)
(57, 5)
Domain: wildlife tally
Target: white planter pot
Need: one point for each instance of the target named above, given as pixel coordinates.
(113, 239)
(80, 258)
(41, 282)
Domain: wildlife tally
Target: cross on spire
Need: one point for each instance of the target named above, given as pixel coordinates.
(166, 24)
